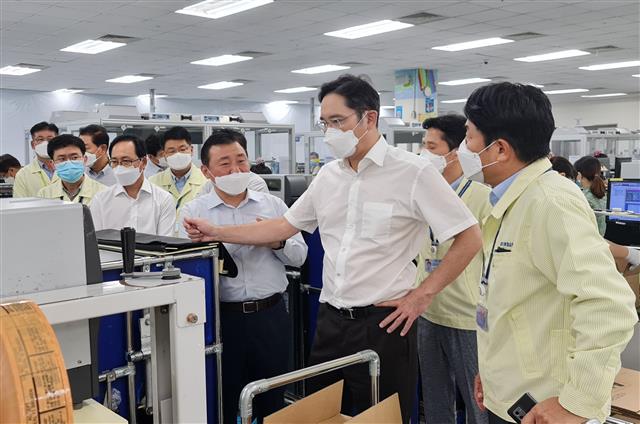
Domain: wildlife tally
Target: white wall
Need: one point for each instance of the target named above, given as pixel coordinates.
(20, 109)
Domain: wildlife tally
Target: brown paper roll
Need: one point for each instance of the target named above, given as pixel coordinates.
(34, 387)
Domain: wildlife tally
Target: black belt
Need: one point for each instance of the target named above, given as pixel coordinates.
(251, 306)
(358, 312)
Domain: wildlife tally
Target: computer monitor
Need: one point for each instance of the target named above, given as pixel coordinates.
(624, 194)
(619, 162)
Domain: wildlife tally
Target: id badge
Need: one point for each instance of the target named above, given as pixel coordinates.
(430, 265)
(482, 317)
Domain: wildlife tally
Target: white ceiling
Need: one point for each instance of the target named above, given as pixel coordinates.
(292, 32)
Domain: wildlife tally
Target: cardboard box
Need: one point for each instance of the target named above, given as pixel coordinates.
(625, 396)
(323, 407)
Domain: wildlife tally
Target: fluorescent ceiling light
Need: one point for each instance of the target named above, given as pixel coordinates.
(387, 107)
(464, 81)
(18, 70)
(366, 30)
(636, 75)
(321, 69)
(92, 47)
(593, 96)
(129, 79)
(68, 91)
(225, 59)
(221, 85)
(567, 91)
(552, 56)
(616, 65)
(473, 44)
(534, 85)
(215, 9)
(454, 101)
(284, 102)
(157, 96)
(295, 90)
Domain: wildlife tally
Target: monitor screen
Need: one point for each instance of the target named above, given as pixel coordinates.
(624, 194)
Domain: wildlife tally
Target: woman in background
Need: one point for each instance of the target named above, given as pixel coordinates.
(563, 167)
(593, 186)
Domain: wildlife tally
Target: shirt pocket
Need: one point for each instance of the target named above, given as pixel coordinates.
(526, 351)
(376, 220)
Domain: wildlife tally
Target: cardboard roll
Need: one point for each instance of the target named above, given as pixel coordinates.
(34, 387)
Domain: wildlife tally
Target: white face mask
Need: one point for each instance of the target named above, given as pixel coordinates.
(162, 163)
(92, 158)
(343, 143)
(126, 176)
(440, 162)
(179, 161)
(9, 180)
(470, 162)
(233, 184)
(41, 149)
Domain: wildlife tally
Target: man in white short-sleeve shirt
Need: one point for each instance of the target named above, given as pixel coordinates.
(372, 209)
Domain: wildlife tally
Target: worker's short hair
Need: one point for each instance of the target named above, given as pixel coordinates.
(153, 144)
(221, 137)
(141, 152)
(44, 125)
(65, 140)
(452, 127)
(7, 161)
(358, 93)
(98, 133)
(176, 133)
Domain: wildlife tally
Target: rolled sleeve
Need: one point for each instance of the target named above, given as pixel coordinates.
(439, 206)
(571, 253)
(302, 213)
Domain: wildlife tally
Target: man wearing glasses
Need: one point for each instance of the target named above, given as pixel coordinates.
(40, 172)
(133, 201)
(372, 207)
(67, 152)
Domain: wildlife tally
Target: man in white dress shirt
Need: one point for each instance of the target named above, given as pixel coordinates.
(372, 207)
(255, 323)
(133, 201)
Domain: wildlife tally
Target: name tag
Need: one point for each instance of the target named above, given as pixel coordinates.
(430, 265)
(482, 317)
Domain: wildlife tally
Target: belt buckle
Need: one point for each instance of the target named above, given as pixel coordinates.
(244, 307)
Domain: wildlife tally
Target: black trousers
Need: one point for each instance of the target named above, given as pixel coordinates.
(338, 336)
(494, 419)
(255, 346)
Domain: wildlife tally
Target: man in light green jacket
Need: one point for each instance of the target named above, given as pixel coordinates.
(553, 314)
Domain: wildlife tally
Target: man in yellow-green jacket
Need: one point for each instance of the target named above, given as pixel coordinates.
(182, 179)
(40, 172)
(553, 314)
(447, 347)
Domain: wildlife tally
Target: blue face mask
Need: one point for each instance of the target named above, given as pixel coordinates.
(70, 171)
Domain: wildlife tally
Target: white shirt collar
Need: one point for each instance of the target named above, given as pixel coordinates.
(146, 186)
(213, 200)
(376, 155)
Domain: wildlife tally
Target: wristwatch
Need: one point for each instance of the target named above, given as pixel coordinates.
(281, 246)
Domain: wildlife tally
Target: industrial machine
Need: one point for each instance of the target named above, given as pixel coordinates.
(399, 134)
(287, 187)
(574, 143)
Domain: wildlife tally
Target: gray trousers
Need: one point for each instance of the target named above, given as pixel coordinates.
(448, 359)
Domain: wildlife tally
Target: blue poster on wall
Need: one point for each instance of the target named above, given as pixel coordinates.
(399, 112)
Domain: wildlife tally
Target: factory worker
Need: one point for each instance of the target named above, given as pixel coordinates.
(182, 179)
(133, 201)
(372, 208)
(96, 140)
(156, 162)
(40, 172)
(553, 313)
(447, 348)
(255, 322)
(9, 167)
(67, 152)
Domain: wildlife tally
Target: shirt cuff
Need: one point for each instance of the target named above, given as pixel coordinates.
(581, 404)
(310, 228)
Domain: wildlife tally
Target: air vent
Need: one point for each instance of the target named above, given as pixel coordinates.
(253, 54)
(236, 98)
(31, 65)
(118, 38)
(598, 88)
(244, 81)
(499, 77)
(352, 64)
(603, 49)
(523, 36)
(421, 18)
(551, 84)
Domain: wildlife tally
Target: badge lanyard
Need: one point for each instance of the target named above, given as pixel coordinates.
(434, 242)
(484, 282)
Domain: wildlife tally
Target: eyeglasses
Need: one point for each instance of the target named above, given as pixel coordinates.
(323, 125)
(127, 163)
(64, 159)
(41, 139)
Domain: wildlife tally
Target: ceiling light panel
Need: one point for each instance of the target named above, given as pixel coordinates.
(68, 91)
(216, 9)
(454, 101)
(221, 85)
(373, 28)
(595, 96)
(225, 59)
(617, 65)
(473, 44)
(157, 96)
(129, 79)
(320, 69)
(295, 90)
(93, 47)
(465, 81)
(564, 54)
(18, 70)
(567, 91)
